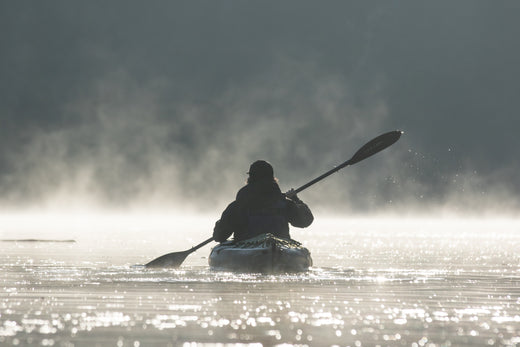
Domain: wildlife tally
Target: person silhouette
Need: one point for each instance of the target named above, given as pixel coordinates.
(260, 207)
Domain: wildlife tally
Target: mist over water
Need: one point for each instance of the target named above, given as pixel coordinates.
(167, 105)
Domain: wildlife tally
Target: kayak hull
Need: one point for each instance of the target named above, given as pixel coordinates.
(265, 253)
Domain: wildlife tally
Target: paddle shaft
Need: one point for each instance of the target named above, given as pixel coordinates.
(369, 149)
(317, 179)
(193, 249)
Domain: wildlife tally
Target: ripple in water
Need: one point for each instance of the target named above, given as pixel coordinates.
(411, 287)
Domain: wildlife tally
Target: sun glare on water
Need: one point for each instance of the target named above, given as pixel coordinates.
(375, 280)
(332, 240)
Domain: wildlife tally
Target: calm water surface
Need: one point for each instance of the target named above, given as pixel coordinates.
(386, 282)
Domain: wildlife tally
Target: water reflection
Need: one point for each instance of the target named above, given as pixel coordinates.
(428, 291)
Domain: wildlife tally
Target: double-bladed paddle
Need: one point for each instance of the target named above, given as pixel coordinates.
(372, 147)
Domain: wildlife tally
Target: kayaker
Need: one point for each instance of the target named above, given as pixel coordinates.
(260, 207)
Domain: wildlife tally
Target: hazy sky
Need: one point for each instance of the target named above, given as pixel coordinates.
(130, 102)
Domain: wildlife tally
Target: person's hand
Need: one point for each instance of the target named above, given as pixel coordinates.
(292, 195)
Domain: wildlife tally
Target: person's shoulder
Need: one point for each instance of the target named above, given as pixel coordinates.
(243, 192)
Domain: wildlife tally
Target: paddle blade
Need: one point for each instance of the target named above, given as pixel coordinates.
(173, 260)
(376, 145)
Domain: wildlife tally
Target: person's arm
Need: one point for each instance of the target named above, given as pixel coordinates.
(300, 214)
(224, 227)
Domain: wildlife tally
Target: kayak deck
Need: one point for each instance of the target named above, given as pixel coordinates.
(265, 253)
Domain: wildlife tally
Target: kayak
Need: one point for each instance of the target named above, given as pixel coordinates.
(265, 253)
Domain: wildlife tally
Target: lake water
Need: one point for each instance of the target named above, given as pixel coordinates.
(375, 281)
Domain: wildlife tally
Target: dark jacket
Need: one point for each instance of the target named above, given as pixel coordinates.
(260, 207)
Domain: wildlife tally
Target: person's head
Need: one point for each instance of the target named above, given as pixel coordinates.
(261, 171)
